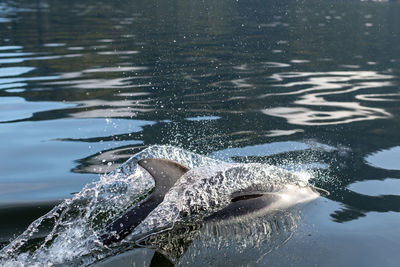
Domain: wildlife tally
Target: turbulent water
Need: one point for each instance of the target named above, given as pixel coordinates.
(68, 234)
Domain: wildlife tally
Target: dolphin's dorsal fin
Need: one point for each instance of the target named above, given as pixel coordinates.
(164, 172)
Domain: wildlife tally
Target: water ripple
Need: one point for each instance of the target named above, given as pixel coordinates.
(317, 91)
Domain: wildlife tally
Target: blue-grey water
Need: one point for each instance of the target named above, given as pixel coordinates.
(305, 85)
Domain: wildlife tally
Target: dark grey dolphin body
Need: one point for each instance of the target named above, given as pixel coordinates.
(167, 173)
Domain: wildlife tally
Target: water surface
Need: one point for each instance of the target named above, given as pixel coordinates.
(308, 85)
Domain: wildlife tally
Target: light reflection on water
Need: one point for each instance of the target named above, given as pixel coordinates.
(14, 71)
(377, 188)
(269, 149)
(17, 108)
(312, 105)
(385, 159)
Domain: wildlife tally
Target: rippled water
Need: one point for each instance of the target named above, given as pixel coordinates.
(300, 84)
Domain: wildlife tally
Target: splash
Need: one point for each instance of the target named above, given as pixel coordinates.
(68, 234)
(203, 191)
(69, 231)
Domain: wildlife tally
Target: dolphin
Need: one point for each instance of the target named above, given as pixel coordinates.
(207, 193)
(165, 173)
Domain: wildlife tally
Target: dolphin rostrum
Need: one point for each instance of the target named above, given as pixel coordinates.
(207, 193)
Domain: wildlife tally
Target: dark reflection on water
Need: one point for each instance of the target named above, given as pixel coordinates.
(83, 86)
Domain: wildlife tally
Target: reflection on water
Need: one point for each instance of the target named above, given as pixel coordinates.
(313, 107)
(14, 71)
(16, 108)
(377, 188)
(268, 149)
(313, 85)
(386, 159)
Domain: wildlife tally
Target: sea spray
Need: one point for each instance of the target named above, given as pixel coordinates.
(69, 231)
(68, 234)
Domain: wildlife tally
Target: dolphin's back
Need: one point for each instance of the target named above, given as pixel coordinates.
(165, 173)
